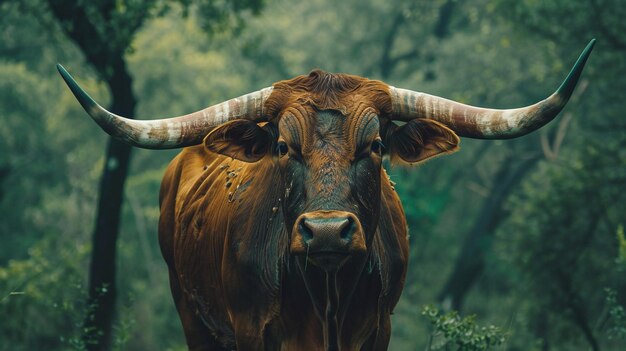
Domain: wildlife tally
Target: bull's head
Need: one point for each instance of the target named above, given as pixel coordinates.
(328, 134)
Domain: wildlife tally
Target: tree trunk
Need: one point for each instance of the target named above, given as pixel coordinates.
(471, 261)
(79, 23)
(440, 31)
(102, 288)
(541, 329)
(4, 172)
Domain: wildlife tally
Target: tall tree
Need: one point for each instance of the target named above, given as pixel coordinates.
(471, 260)
(92, 26)
(103, 30)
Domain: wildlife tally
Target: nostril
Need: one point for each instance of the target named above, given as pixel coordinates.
(305, 231)
(348, 229)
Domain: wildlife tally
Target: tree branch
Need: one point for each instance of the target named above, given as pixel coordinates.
(604, 29)
(440, 31)
(470, 262)
(386, 63)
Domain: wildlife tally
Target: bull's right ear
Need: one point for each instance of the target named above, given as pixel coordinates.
(421, 139)
(241, 139)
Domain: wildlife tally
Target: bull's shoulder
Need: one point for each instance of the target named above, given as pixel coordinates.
(181, 172)
(191, 164)
(199, 181)
(193, 161)
(391, 244)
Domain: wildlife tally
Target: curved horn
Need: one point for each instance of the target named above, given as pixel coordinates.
(173, 132)
(481, 123)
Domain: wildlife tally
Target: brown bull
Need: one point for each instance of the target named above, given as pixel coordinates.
(278, 223)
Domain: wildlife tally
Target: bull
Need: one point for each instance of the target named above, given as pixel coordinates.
(278, 223)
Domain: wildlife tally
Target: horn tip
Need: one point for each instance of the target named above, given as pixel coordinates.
(567, 87)
(62, 71)
(83, 98)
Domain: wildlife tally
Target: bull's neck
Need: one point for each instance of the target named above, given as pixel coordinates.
(331, 327)
(331, 297)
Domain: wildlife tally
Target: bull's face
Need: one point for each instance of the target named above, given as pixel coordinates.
(331, 167)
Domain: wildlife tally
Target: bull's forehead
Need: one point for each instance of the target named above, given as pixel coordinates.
(329, 130)
(329, 124)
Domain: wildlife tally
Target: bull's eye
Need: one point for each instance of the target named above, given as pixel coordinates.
(377, 146)
(281, 148)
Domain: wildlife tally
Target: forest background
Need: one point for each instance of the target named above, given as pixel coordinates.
(526, 234)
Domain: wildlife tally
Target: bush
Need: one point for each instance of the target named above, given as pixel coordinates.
(452, 331)
(42, 299)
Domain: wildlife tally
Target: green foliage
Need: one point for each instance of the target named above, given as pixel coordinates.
(44, 294)
(461, 333)
(621, 241)
(617, 311)
(559, 240)
(617, 314)
(23, 131)
(556, 239)
(41, 296)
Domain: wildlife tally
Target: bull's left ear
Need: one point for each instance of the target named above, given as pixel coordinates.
(421, 139)
(240, 139)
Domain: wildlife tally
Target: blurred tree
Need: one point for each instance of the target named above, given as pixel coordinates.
(381, 39)
(104, 30)
(30, 288)
(470, 263)
(559, 237)
(19, 131)
(404, 14)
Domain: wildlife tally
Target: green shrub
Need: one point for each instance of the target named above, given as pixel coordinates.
(453, 332)
(42, 299)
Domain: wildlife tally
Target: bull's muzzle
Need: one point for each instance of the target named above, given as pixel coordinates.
(328, 238)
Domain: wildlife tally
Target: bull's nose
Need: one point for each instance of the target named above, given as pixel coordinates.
(335, 231)
(328, 237)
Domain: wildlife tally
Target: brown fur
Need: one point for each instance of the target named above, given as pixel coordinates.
(223, 226)
(327, 91)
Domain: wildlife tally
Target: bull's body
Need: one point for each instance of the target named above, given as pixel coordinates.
(282, 231)
(228, 254)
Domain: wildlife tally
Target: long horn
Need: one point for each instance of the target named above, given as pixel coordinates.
(172, 132)
(481, 123)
